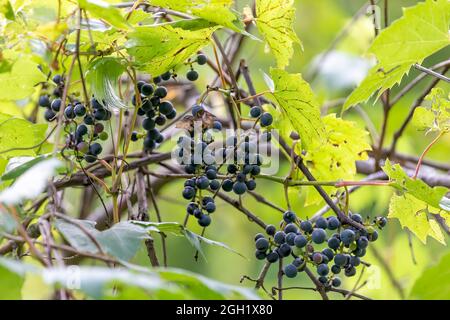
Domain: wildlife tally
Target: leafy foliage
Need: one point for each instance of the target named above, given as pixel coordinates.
(295, 97)
(416, 187)
(336, 158)
(103, 76)
(415, 215)
(216, 11)
(105, 11)
(274, 20)
(161, 48)
(19, 81)
(22, 134)
(421, 31)
(436, 116)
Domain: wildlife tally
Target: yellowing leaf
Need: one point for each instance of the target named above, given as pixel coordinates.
(416, 187)
(275, 19)
(159, 49)
(421, 31)
(377, 79)
(412, 213)
(15, 132)
(336, 158)
(19, 82)
(295, 97)
(435, 116)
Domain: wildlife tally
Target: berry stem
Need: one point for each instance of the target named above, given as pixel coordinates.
(419, 162)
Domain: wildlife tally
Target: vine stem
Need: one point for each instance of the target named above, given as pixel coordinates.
(419, 163)
(125, 151)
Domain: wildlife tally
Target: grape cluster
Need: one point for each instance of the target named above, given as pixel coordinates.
(154, 110)
(301, 240)
(82, 137)
(199, 160)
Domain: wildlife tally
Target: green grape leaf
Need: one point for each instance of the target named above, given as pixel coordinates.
(275, 19)
(377, 79)
(16, 132)
(420, 32)
(414, 214)
(122, 240)
(216, 11)
(105, 11)
(434, 282)
(103, 75)
(7, 10)
(298, 102)
(20, 80)
(336, 158)
(415, 187)
(435, 116)
(161, 48)
(177, 229)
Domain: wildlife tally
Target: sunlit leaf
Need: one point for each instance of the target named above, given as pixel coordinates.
(122, 240)
(412, 213)
(159, 49)
(436, 115)
(416, 187)
(295, 97)
(420, 32)
(275, 19)
(175, 228)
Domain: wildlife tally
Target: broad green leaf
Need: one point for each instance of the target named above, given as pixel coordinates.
(436, 115)
(7, 10)
(377, 79)
(19, 82)
(335, 159)
(216, 11)
(122, 240)
(105, 11)
(103, 75)
(420, 32)
(161, 48)
(434, 283)
(295, 97)
(31, 183)
(416, 187)
(413, 214)
(19, 133)
(275, 19)
(20, 169)
(177, 229)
